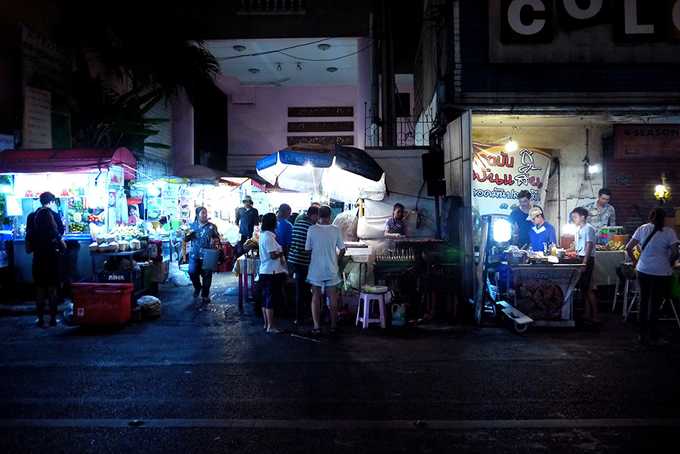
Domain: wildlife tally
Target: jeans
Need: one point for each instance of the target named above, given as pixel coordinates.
(653, 289)
(196, 272)
(303, 295)
(46, 294)
(272, 289)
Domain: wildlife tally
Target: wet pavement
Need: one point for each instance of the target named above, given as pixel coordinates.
(208, 379)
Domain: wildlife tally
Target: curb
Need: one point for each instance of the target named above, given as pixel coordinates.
(23, 309)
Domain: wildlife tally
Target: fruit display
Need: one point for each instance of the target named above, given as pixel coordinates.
(77, 227)
(617, 244)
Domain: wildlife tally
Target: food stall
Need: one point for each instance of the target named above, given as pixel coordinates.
(89, 186)
(356, 183)
(526, 286)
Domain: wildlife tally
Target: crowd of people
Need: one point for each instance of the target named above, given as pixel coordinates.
(309, 248)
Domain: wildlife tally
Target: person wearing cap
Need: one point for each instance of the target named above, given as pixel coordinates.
(542, 234)
(520, 217)
(284, 229)
(247, 218)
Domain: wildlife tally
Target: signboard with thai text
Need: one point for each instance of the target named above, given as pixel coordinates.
(498, 176)
(646, 141)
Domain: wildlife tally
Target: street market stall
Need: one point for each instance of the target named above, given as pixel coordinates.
(89, 185)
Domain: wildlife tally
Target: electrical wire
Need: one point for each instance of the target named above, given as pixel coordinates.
(255, 54)
(326, 59)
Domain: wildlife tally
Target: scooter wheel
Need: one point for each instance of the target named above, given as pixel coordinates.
(520, 328)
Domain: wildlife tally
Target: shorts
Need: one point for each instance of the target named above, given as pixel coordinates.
(584, 283)
(272, 289)
(325, 283)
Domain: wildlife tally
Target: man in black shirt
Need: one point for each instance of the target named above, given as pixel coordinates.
(44, 231)
(247, 218)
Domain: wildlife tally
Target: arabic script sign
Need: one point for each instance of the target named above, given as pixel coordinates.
(497, 177)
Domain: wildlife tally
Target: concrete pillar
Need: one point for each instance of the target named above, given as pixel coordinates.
(182, 131)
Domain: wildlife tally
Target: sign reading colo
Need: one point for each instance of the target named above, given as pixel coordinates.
(497, 177)
(536, 21)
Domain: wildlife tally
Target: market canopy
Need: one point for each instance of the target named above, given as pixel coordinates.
(66, 160)
(343, 173)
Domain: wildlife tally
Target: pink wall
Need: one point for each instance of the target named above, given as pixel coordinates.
(260, 128)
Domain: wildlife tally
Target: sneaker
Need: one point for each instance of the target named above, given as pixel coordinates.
(205, 300)
(273, 331)
(197, 292)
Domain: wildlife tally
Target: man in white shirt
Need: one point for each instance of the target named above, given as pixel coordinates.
(324, 241)
(585, 249)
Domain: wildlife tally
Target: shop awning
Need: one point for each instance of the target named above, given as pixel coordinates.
(66, 160)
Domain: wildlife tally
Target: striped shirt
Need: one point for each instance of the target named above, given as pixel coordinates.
(297, 255)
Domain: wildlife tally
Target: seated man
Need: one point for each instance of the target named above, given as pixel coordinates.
(395, 227)
(542, 234)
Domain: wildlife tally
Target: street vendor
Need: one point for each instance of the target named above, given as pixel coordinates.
(519, 217)
(395, 226)
(247, 217)
(542, 234)
(585, 249)
(600, 212)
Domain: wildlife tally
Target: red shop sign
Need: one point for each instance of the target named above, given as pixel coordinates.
(645, 141)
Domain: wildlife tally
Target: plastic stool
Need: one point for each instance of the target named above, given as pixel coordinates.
(372, 294)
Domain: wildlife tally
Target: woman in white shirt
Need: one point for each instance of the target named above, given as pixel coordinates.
(273, 272)
(658, 251)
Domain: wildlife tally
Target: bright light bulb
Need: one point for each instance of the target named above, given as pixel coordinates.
(502, 230)
(661, 191)
(595, 168)
(511, 146)
(569, 229)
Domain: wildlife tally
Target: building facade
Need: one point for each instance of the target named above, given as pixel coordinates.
(592, 84)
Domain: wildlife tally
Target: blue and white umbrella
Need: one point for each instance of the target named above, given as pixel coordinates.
(342, 173)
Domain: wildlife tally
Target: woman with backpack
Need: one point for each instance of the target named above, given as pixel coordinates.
(658, 250)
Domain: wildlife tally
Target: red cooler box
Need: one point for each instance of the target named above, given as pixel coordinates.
(102, 304)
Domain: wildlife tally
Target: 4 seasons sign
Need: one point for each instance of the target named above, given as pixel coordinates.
(497, 177)
(634, 21)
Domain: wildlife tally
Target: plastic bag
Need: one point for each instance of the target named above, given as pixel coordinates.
(68, 315)
(150, 306)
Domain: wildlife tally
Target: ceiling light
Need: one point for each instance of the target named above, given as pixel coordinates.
(239, 48)
(253, 70)
(331, 69)
(594, 168)
(324, 46)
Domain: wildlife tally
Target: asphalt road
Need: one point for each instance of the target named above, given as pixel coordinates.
(211, 381)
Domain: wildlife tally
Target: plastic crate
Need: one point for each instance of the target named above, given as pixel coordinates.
(102, 304)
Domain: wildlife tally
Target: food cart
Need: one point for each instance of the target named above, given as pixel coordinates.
(91, 200)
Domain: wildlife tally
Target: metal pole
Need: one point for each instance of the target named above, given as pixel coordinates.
(437, 216)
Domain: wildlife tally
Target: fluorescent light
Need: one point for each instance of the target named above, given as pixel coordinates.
(511, 146)
(594, 168)
(502, 230)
